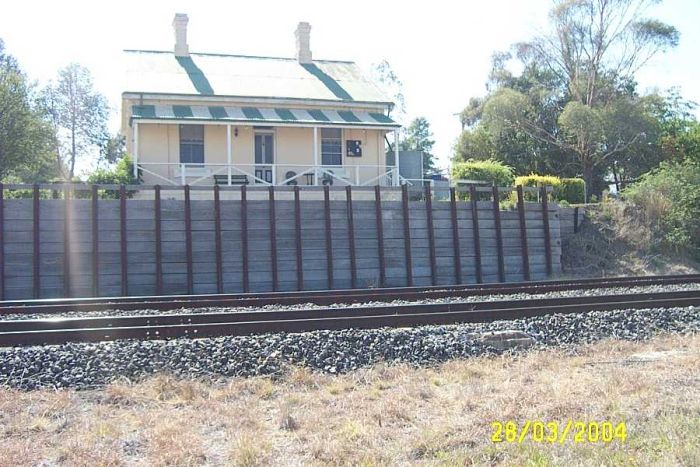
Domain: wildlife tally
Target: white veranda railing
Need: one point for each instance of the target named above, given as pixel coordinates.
(269, 174)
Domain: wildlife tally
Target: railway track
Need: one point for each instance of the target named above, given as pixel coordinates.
(163, 326)
(326, 297)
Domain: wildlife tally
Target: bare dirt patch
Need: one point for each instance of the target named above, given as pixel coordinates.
(381, 415)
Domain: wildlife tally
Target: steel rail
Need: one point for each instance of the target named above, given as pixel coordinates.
(326, 297)
(57, 331)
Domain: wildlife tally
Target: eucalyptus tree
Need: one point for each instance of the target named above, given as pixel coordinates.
(576, 97)
(24, 135)
(78, 114)
(418, 136)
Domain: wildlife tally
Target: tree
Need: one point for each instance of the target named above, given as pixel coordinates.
(680, 131)
(594, 40)
(384, 77)
(577, 87)
(78, 114)
(113, 149)
(24, 136)
(418, 137)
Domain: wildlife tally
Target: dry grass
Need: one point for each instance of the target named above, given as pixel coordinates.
(384, 415)
(615, 241)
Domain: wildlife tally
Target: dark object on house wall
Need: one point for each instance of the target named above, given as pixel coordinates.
(353, 148)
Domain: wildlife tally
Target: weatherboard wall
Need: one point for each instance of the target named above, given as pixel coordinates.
(294, 150)
(432, 251)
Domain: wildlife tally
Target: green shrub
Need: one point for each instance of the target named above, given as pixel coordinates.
(120, 174)
(491, 171)
(535, 181)
(572, 190)
(668, 200)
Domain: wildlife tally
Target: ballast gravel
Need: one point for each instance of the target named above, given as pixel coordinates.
(85, 366)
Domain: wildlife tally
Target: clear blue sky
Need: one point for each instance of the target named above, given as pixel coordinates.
(440, 50)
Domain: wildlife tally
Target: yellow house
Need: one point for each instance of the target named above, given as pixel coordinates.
(201, 119)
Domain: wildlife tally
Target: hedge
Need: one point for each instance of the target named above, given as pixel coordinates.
(534, 180)
(491, 171)
(571, 190)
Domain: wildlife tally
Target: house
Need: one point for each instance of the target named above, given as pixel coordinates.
(204, 119)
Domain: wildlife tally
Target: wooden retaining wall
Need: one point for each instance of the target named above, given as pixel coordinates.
(254, 240)
(570, 219)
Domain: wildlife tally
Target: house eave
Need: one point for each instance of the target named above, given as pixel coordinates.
(195, 121)
(266, 100)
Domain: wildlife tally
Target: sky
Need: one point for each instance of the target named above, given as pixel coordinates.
(440, 50)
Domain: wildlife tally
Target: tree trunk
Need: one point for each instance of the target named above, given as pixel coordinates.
(588, 180)
(72, 154)
(615, 178)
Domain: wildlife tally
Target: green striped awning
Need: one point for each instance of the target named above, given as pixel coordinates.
(262, 115)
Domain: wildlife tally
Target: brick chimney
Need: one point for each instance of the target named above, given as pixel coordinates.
(180, 28)
(303, 36)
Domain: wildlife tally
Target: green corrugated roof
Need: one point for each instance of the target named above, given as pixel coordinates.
(348, 116)
(318, 115)
(381, 118)
(236, 75)
(252, 113)
(144, 111)
(218, 112)
(182, 111)
(276, 116)
(285, 114)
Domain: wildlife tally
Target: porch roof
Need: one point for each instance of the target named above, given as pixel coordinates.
(265, 116)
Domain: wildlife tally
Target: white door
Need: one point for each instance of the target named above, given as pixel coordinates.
(264, 155)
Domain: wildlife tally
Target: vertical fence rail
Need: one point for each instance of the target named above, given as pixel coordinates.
(159, 241)
(351, 236)
(66, 242)
(94, 219)
(297, 234)
(431, 233)
(244, 238)
(36, 253)
(477, 238)
(380, 235)
(123, 241)
(2, 242)
(576, 219)
(188, 240)
(273, 239)
(545, 223)
(407, 235)
(329, 240)
(455, 236)
(499, 234)
(217, 241)
(523, 233)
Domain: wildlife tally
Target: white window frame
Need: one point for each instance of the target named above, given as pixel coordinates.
(342, 144)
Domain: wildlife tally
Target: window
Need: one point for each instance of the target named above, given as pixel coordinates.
(264, 148)
(192, 144)
(331, 146)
